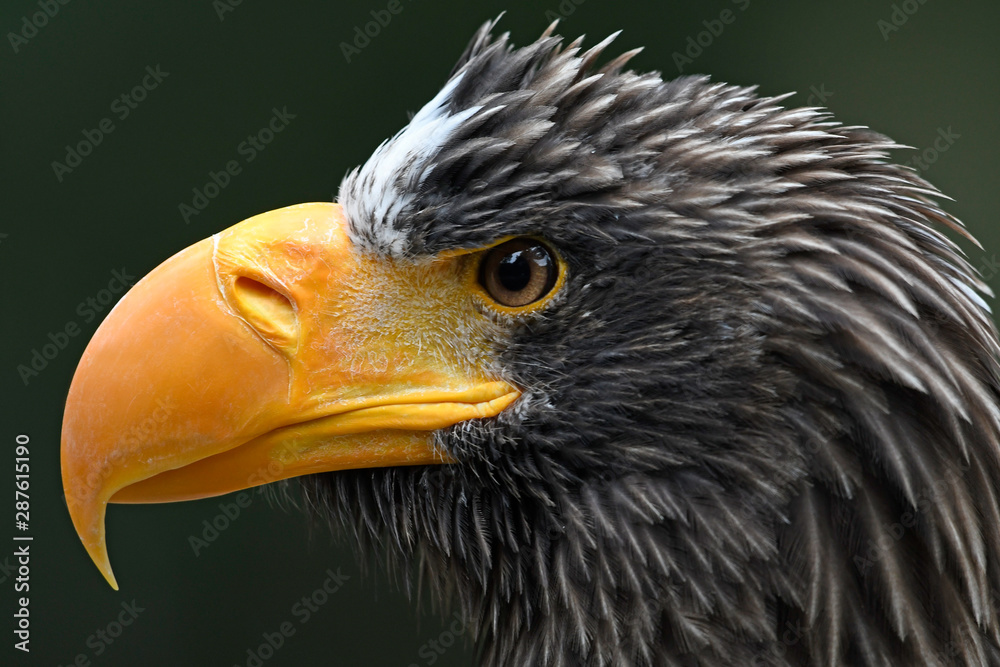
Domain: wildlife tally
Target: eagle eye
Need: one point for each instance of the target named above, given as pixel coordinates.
(518, 272)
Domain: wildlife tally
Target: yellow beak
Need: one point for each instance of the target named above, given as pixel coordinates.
(270, 350)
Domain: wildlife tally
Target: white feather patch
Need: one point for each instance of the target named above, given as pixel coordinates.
(376, 196)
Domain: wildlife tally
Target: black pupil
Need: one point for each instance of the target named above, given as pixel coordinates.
(514, 271)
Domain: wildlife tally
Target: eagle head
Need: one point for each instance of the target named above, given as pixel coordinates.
(631, 371)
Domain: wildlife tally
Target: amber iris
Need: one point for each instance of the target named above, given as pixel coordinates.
(518, 272)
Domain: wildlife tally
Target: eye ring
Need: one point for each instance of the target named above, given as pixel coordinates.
(519, 272)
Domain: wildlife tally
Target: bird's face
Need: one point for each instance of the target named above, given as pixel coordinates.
(627, 366)
(278, 348)
(451, 312)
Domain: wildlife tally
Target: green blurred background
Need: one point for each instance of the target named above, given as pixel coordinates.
(934, 79)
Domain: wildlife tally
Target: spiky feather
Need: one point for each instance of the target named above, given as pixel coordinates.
(760, 422)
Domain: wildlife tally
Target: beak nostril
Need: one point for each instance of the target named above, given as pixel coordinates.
(260, 292)
(268, 311)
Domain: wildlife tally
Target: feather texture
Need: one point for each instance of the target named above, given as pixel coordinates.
(760, 421)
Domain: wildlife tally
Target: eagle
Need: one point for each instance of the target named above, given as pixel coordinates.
(628, 371)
